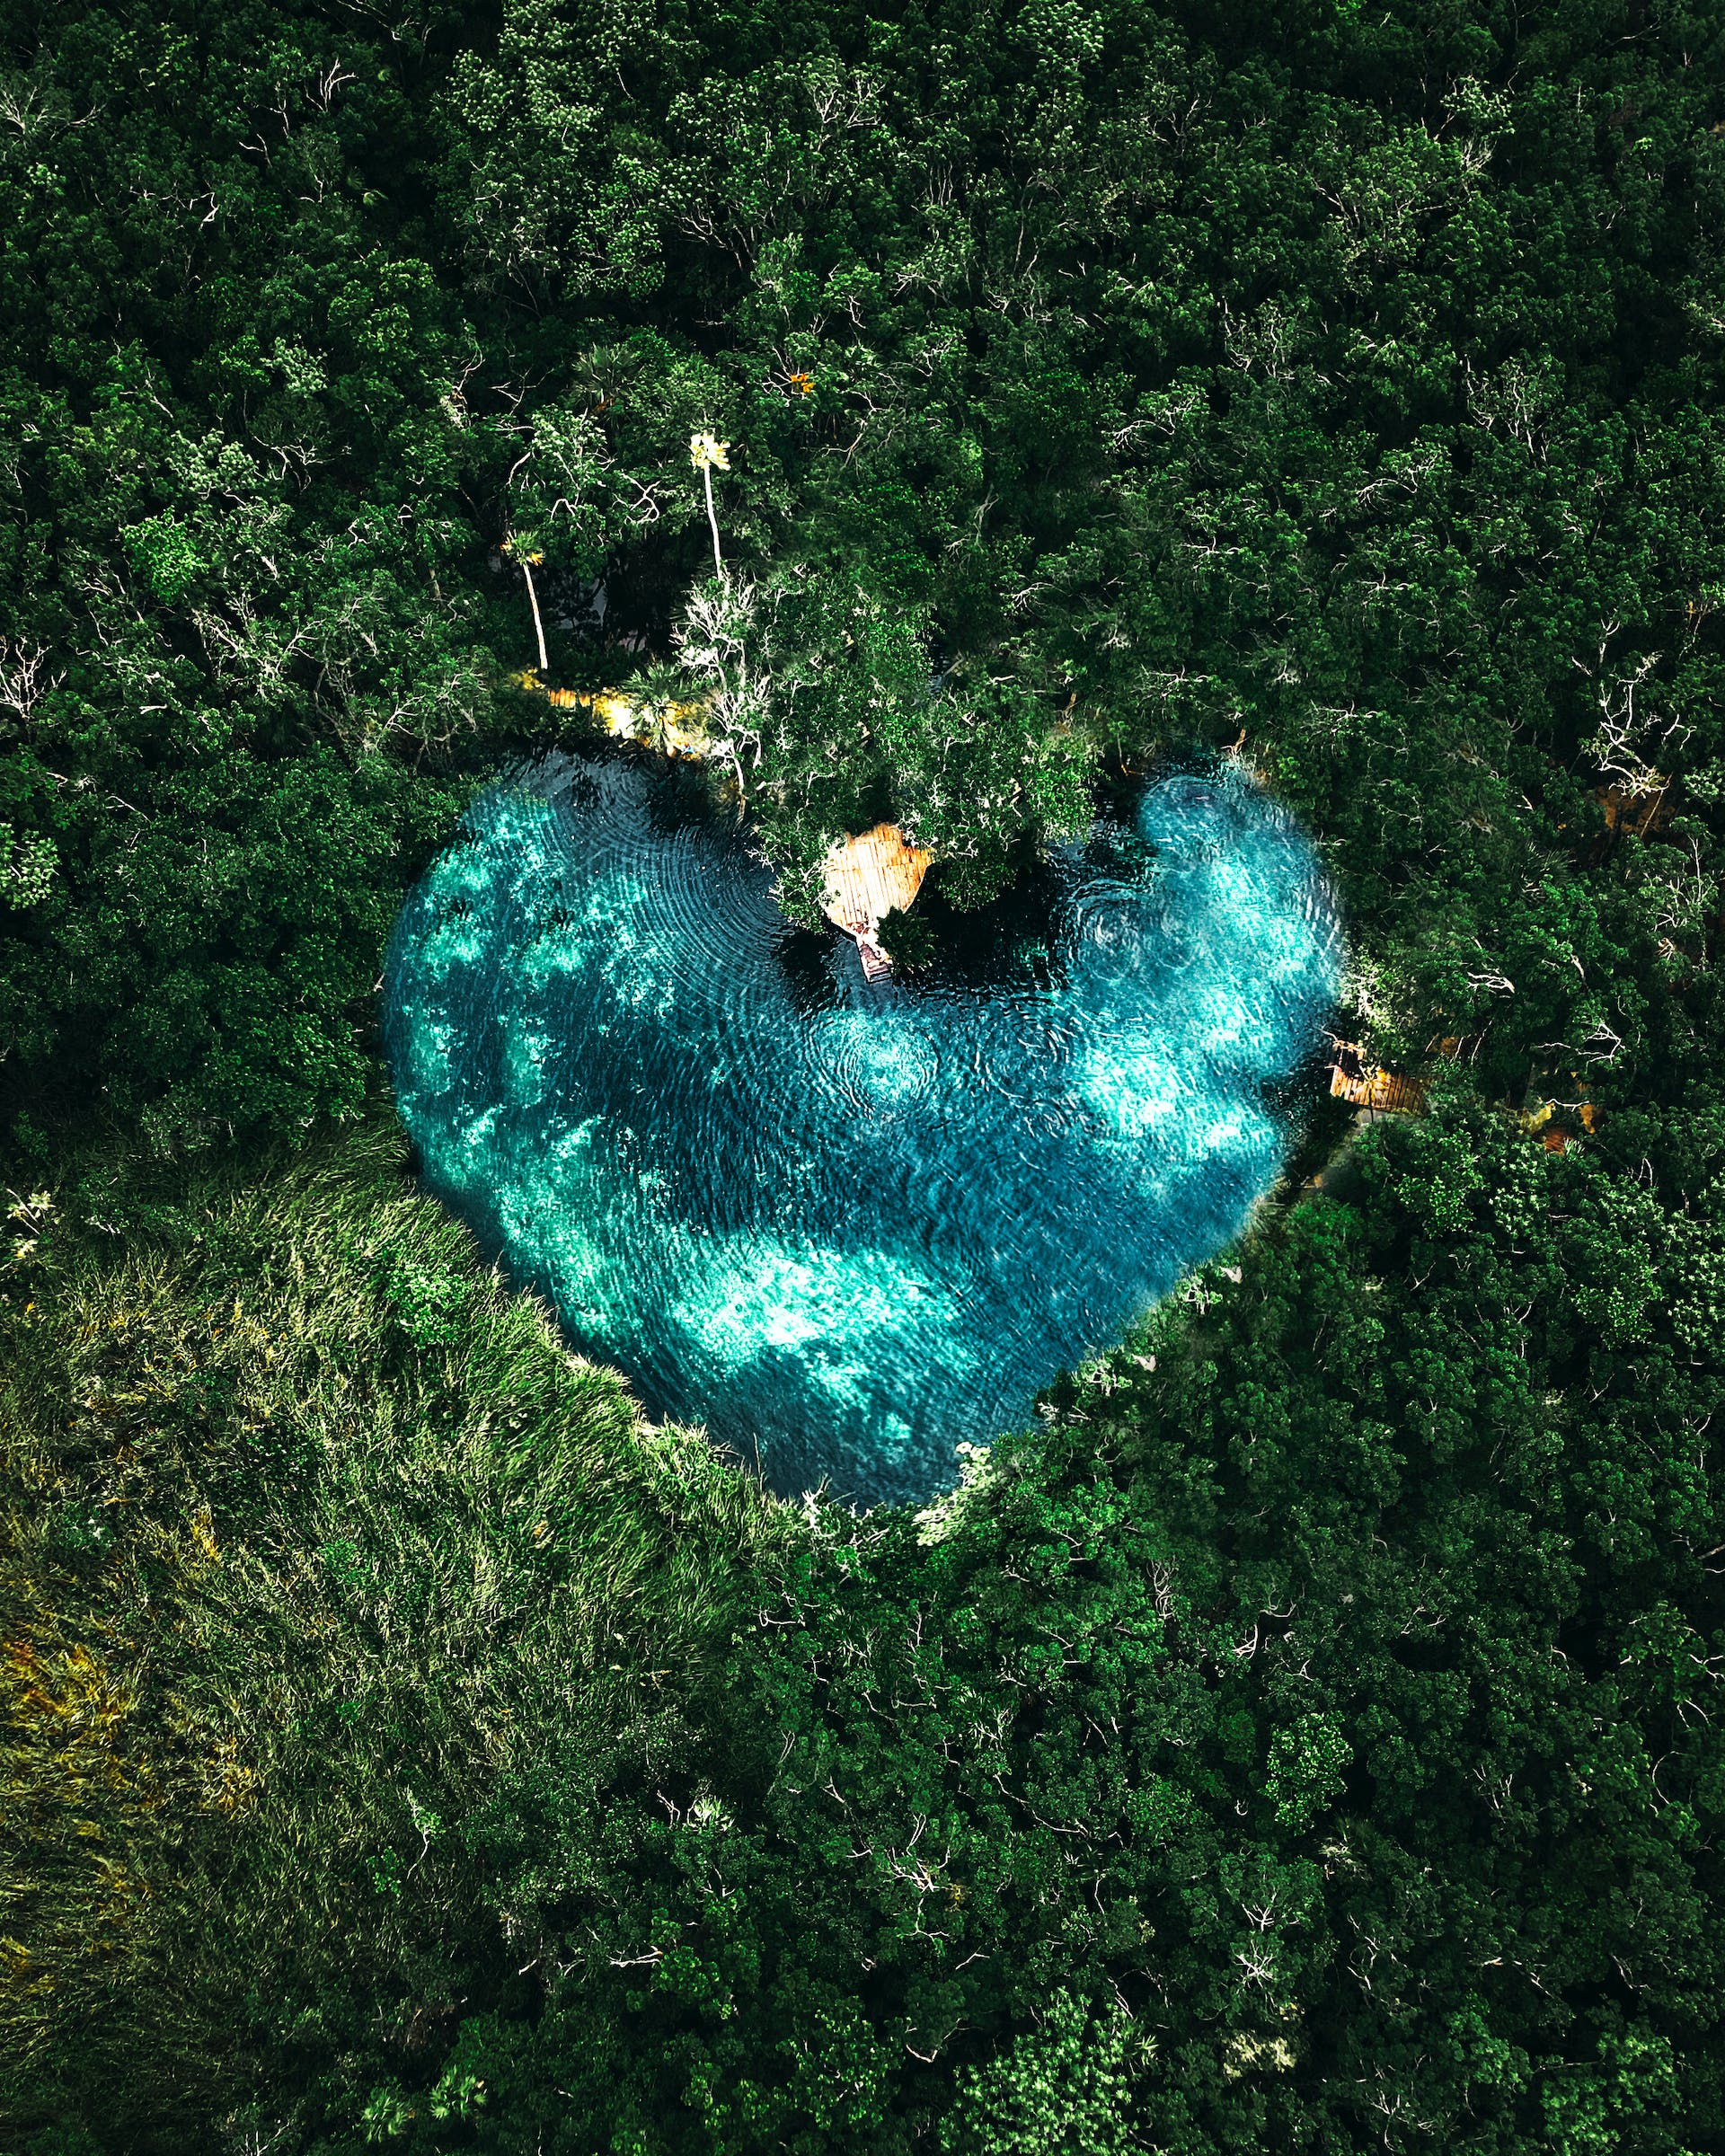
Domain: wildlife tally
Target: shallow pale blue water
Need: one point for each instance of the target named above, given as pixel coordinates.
(848, 1226)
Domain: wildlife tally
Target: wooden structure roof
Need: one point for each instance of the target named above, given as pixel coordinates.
(869, 876)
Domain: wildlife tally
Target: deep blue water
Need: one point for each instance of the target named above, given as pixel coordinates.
(849, 1226)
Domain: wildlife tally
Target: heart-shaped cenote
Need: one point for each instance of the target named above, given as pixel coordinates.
(849, 1226)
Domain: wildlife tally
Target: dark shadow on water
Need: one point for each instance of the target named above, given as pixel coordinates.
(1012, 942)
(811, 960)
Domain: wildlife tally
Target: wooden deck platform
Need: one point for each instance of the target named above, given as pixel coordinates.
(866, 878)
(1385, 1092)
(1641, 811)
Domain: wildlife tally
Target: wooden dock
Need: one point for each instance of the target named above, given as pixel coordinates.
(866, 878)
(1385, 1092)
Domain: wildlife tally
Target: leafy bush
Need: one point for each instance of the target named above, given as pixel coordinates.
(907, 939)
(1304, 1742)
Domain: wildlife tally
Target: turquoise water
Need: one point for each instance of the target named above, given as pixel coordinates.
(848, 1226)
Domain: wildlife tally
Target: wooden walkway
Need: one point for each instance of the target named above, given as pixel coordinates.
(1385, 1092)
(866, 878)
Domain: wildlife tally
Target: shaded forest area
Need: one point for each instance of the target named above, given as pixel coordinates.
(1306, 1739)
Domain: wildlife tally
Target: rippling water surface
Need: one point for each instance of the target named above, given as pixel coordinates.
(848, 1226)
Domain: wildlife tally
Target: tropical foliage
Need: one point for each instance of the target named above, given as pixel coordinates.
(1304, 1738)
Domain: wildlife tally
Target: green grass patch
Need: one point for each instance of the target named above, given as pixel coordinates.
(313, 1532)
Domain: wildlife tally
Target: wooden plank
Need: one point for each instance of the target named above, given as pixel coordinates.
(1386, 1092)
(868, 875)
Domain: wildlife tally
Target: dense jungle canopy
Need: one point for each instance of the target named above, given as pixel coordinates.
(1304, 1739)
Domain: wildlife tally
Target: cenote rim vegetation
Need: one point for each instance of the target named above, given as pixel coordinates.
(851, 1226)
